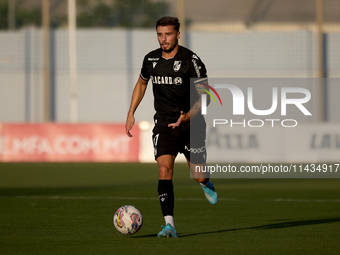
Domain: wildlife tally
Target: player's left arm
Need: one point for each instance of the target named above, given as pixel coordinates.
(201, 89)
(198, 71)
(196, 108)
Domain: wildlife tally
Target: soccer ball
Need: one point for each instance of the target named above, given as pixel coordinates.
(128, 220)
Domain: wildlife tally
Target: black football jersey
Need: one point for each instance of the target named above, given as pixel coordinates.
(171, 80)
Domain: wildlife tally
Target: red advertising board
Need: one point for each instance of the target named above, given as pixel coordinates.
(68, 143)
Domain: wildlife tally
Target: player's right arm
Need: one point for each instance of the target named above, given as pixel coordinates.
(137, 96)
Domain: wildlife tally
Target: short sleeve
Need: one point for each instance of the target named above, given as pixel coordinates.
(197, 69)
(144, 74)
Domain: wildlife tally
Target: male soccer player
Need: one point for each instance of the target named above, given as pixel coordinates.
(170, 68)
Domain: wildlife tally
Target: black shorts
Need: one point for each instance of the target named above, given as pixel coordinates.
(191, 143)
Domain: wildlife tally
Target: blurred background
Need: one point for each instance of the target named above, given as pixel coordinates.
(67, 71)
(78, 61)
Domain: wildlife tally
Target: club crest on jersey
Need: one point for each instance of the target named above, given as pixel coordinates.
(177, 65)
(154, 64)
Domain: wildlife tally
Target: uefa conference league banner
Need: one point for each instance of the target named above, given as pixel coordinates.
(68, 143)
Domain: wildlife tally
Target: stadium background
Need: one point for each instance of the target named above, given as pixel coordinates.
(67, 208)
(58, 69)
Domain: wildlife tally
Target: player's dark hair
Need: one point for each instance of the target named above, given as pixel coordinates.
(168, 21)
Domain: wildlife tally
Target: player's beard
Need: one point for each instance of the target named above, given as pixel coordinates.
(170, 49)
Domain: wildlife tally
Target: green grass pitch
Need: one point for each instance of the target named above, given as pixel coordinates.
(67, 208)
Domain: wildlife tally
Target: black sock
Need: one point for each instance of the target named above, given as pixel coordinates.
(166, 196)
(205, 181)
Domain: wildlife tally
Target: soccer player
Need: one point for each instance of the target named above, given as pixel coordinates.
(170, 68)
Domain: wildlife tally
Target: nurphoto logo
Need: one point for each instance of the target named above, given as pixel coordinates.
(298, 97)
(204, 98)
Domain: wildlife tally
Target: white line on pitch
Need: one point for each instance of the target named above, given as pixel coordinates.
(179, 199)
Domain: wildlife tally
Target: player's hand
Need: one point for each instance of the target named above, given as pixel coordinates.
(183, 117)
(130, 121)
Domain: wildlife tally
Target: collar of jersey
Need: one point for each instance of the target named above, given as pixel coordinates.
(173, 56)
(168, 58)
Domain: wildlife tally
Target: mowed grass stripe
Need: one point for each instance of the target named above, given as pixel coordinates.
(57, 209)
(178, 199)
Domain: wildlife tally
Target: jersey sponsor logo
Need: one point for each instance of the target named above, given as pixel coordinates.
(177, 65)
(161, 79)
(197, 68)
(153, 59)
(178, 81)
(154, 64)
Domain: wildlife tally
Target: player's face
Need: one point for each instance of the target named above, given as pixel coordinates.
(167, 38)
